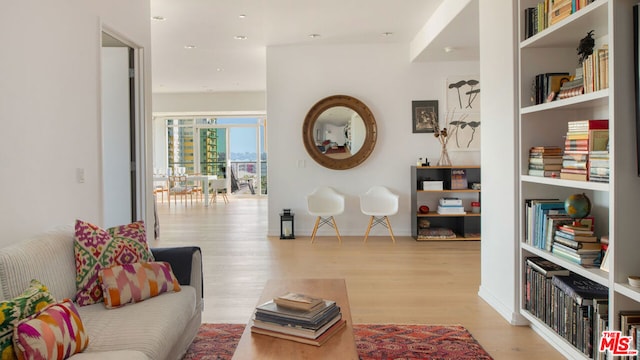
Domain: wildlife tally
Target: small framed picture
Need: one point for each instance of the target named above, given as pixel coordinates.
(425, 115)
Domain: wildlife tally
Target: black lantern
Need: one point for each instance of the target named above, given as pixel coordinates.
(286, 224)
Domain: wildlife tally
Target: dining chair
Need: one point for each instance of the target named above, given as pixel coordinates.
(160, 188)
(325, 203)
(178, 186)
(379, 203)
(196, 188)
(218, 185)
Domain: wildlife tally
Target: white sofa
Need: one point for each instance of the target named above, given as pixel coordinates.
(158, 328)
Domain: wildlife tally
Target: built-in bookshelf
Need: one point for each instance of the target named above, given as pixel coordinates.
(551, 50)
(441, 183)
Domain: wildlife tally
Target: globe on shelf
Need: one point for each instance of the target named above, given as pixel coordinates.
(578, 206)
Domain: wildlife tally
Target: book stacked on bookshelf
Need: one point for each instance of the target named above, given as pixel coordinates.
(596, 70)
(582, 135)
(572, 88)
(450, 205)
(630, 326)
(537, 212)
(571, 305)
(577, 243)
(459, 179)
(298, 317)
(549, 12)
(545, 161)
(576, 299)
(538, 273)
(599, 156)
(547, 85)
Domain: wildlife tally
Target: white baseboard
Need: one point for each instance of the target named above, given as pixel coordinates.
(509, 314)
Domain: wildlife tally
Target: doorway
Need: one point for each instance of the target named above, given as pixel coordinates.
(230, 147)
(121, 128)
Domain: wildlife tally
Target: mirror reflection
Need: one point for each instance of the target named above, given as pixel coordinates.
(339, 132)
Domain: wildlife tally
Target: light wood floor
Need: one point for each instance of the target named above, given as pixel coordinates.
(406, 283)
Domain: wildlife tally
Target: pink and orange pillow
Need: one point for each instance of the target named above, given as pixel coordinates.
(56, 332)
(132, 283)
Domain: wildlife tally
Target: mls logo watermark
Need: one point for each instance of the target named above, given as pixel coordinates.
(616, 343)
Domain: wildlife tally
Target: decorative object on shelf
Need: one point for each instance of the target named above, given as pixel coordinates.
(577, 206)
(433, 185)
(286, 224)
(475, 207)
(424, 223)
(585, 47)
(425, 115)
(424, 209)
(634, 280)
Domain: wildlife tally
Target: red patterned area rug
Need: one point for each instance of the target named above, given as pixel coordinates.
(379, 342)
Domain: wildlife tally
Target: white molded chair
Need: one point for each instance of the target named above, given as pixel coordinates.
(379, 203)
(325, 203)
(219, 185)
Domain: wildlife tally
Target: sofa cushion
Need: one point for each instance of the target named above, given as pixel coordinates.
(56, 332)
(96, 248)
(35, 298)
(132, 283)
(153, 327)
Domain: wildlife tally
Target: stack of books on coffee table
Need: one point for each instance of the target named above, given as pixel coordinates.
(298, 317)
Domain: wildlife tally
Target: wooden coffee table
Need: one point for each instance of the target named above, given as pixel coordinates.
(341, 346)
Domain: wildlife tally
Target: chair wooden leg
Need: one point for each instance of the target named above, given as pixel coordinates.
(390, 230)
(315, 229)
(335, 226)
(366, 234)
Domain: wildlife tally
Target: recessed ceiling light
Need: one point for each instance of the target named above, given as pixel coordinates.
(159, 18)
(189, 46)
(219, 69)
(240, 37)
(314, 36)
(448, 49)
(387, 33)
(242, 16)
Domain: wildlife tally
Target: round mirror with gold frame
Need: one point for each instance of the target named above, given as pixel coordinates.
(339, 132)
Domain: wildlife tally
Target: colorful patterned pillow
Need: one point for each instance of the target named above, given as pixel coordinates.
(136, 282)
(56, 332)
(96, 248)
(32, 300)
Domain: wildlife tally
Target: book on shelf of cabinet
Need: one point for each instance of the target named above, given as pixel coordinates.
(607, 92)
(451, 215)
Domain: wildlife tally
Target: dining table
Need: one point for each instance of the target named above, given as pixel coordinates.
(205, 179)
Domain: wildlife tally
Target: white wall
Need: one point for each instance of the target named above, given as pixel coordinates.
(499, 206)
(49, 108)
(242, 101)
(383, 78)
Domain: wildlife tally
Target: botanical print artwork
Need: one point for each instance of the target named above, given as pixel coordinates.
(463, 111)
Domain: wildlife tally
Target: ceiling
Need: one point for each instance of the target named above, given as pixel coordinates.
(195, 49)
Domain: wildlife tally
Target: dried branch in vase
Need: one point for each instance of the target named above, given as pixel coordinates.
(443, 135)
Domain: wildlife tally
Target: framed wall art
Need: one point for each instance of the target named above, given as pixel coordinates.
(463, 112)
(425, 115)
